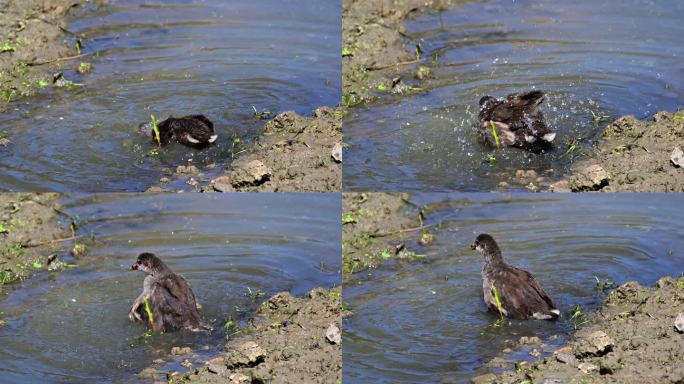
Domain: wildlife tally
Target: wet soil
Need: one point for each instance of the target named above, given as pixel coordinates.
(632, 338)
(293, 153)
(289, 340)
(375, 54)
(378, 227)
(32, 232)
(34, 45)
(636, 156)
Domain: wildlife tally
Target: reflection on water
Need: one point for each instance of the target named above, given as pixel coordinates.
(426, 321)
(73, 327)
(590, 57)
(172, 58)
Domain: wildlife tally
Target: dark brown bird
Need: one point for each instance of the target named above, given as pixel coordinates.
(192, 130)
(170, 298)
(520, 295)
(515, 121)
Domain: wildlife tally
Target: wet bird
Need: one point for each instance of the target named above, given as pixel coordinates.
(519, 294)
(515, 121)
(193, 130)
(170, 300)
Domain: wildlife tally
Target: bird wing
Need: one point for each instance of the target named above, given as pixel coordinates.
(178, 288)
(520, 293)
(203, 119)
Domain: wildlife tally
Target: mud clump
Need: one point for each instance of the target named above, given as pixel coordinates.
(375, 53)
(632, 338)
(637, 156)
(293, 153)
(377, 227)
(288, 342)
(29, 224)
(33, 40)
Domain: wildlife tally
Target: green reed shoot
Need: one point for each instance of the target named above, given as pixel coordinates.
(497, 300)
(157, 135)
(495, 134)
(148, 309)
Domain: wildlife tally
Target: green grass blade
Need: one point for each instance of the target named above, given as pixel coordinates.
(157, 135)
(497, 300)
(495, 134)
(148, 309)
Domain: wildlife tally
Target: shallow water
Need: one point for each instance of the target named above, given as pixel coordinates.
(426, 321)
(589, 56)
(171, 58)
(72, 327)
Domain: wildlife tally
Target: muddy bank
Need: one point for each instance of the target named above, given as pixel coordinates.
(376, 58)
(289, 340)
(31, 235)
(634, 155)
(293, 153)
(632, 338)
(378, 227)
(35, 42)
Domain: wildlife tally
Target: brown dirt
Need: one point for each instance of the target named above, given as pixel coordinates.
(631, 339)
(378, 227)
(634, 155)
(28, 226)
(375, 51)
(33, 33)
(291, 340)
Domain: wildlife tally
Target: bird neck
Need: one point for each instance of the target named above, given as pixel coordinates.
(493, 257)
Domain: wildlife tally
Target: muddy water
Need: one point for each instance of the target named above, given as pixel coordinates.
(172, 58)
(73, 327)
(589, 56)
(426, 321)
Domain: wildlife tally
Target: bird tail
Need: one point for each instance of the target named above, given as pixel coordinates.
(553, 314)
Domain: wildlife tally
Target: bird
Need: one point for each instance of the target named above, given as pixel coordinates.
(515, 121)
(167, 301)
(510, 291)
(192, 130)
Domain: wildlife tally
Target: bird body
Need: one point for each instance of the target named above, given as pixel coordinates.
(518, 294)
(515, 121)
(192, 130)
(166, 296)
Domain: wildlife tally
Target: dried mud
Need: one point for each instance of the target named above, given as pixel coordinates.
(634, 156)
(376, 55)
(30, 235)
(35, 40)
(378, 227)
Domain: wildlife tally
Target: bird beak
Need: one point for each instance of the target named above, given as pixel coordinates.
(473, 246)
(134, 266)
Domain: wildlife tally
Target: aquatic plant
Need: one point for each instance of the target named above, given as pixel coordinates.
(148, 310)
(7, 47)
(253, 295)
(3, 229)
(497, 300)
(265, 114)
(157, 135)
(603, 285)
(597, 119)
(578, 317)
(495, 134)
(349, 219)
